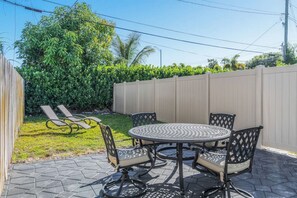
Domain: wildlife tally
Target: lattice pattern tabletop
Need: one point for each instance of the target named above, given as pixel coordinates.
(179, 133)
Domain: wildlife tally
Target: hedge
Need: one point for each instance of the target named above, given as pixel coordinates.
(89, 89)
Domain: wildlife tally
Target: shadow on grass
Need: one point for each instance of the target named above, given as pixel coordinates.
(52, 133)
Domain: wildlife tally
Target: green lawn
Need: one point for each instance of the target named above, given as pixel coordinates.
(36, 142)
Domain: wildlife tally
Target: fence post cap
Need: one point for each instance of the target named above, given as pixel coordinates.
(208, 72)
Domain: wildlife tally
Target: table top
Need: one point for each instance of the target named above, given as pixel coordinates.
(179, 133)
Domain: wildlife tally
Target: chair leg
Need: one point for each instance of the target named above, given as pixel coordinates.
(115, 189)
(226, 189)
(240, 191)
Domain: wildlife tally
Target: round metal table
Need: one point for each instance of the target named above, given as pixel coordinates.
(179, 133)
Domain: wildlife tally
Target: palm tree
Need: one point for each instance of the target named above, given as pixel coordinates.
(126, 51)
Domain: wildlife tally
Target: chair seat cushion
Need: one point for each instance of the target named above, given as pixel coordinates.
(216, 162)
(130, 157)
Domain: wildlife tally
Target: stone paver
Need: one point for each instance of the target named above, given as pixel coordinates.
(273, 175)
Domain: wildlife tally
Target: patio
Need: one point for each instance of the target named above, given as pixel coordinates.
(274, 175)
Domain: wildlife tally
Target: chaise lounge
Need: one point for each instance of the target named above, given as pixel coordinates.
(53, 118)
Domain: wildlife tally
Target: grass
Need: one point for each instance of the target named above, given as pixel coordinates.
(37, 142)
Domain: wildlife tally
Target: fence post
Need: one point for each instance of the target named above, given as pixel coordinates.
(138, 97)
(124, 97)
(114, 99)
(259, 101)
(207, 79)
(175, 98)
(154, 84)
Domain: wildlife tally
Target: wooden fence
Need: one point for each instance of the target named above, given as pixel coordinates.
(266, 96)
(11, 113)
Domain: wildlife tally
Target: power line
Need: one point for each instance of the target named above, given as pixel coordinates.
(53, 2)
(171, 30)
(230, 9)
(261, 35)
(26, 7)
(177, 39)
(182, 32)
(150, 34)
(164, 46)
(235, 6)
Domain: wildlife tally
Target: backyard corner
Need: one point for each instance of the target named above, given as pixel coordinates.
(37, 142)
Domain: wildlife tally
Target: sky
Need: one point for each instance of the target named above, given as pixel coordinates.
(225, 20)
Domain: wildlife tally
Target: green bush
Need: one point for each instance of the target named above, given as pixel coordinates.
(83, 90)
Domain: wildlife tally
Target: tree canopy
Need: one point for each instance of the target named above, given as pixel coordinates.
(69, 37)
(126, 52)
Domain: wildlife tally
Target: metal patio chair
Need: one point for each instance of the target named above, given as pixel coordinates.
(123, 160)
(145, 118)
(77, 117)
(54, 119)
(236, 160)
(221, 120)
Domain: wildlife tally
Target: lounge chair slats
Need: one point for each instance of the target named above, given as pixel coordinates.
(76, 117)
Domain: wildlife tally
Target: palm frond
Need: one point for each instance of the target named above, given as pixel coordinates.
(142, 55)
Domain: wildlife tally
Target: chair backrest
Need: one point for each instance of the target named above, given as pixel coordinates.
(222, 120)
(140, 119)
(49, 112)
(242, 145)
(64, 111)
(111, 149)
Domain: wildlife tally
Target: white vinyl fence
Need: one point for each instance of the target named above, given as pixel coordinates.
(263, 96)
(11, 113)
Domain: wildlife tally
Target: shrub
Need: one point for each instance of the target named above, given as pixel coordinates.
(91, 88)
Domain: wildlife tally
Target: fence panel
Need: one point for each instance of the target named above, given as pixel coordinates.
(192, 99)
(235, 92)
(119, 98)
(280, 108)
(146, 94)
(263, 96)
(131, 97)
(11, 113)
(165, 99)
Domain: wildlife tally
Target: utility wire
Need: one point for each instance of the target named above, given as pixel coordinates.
(177, 39)
(181, 32)
(26, 7)
(147, 33)
(293, 14)
(164, 46)
(235, 6)
(259, 37)
(53, 2)
(230, 9)
(172, 30)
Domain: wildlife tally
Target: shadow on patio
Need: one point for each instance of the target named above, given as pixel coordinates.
(273, 175)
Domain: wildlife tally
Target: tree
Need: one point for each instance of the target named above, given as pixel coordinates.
(234, 61)
(126, 52)
(212, 63)
(60, 54)
(271, 59)
(291, 55)
(226, 63)
(67, 38)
